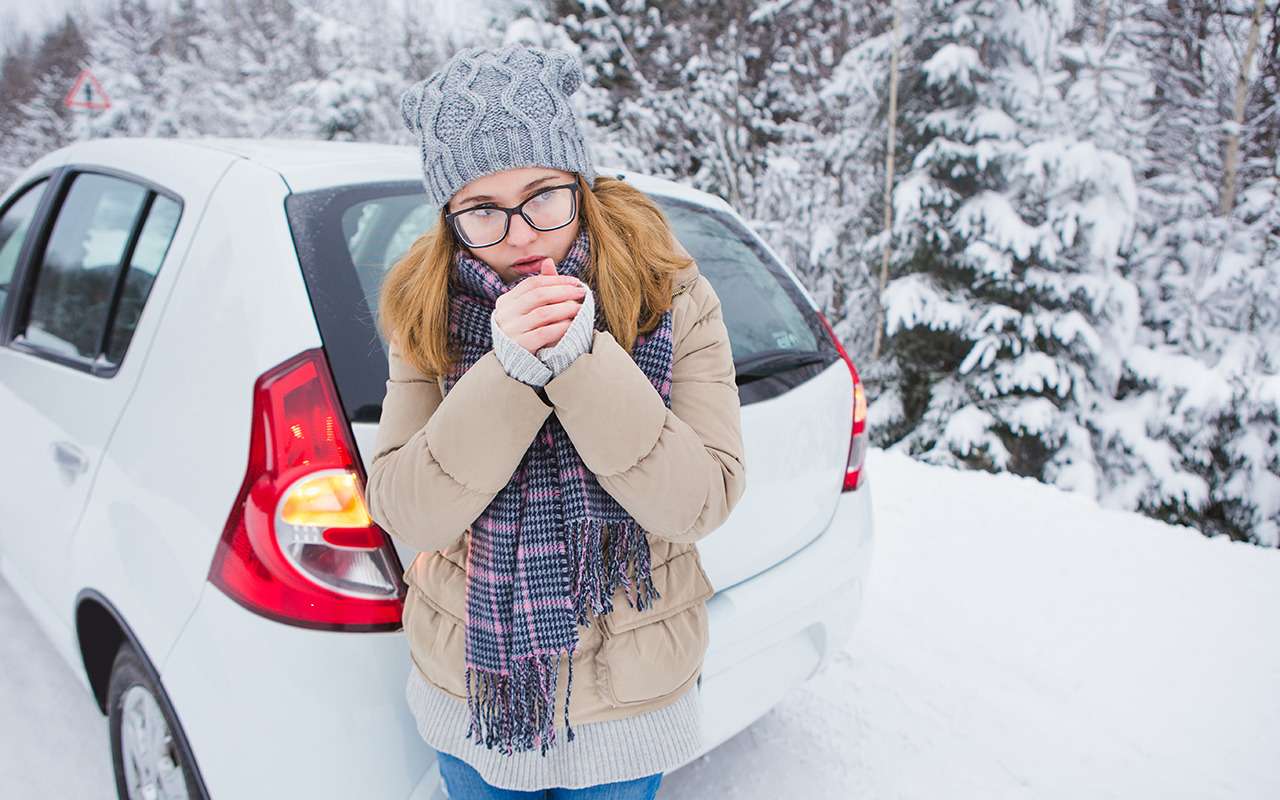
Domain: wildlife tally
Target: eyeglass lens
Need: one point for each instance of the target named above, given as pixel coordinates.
(546, 210)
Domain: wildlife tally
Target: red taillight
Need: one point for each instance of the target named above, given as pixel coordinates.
(858, 437)
(299, 546)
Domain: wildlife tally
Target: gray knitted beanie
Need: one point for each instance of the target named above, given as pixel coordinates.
(488, 110)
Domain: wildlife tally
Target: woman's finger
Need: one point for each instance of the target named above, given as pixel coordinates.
(544, 295)
(535, 340)
(536, 281)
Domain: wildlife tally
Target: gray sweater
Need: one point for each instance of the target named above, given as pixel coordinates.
(601, 752)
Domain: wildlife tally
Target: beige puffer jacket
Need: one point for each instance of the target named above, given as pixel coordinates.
(438, 462)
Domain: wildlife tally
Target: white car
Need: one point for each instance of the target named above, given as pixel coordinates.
(190, 383)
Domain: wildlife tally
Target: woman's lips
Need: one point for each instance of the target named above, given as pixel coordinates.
(531, 265)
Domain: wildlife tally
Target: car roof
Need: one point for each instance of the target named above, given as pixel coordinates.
(307, 164)
(303, 164)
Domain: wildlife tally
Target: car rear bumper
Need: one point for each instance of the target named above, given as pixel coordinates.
(273, 710)
(772, 632)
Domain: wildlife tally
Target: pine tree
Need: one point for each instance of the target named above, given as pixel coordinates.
(41, 122)
(17, 80)
(127, 47)
(1203, 446)
(1006, 299)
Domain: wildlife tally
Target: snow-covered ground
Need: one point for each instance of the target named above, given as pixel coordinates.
(1017, 641)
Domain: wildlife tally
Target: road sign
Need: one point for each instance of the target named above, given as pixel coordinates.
(87, 93)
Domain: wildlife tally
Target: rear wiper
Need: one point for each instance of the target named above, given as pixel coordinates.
(773, 362)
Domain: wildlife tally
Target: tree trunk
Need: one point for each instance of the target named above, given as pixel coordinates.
(888, 182)
(1228, 200)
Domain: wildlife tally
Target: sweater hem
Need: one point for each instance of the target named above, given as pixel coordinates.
(601, 752)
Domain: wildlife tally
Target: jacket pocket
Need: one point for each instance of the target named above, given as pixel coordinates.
(649, 662)
(647, 655)
(437, 642)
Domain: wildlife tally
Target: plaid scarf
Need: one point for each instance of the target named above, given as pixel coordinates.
(550, 547)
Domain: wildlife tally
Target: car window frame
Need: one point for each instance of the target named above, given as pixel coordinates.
(17, 310)
(18, 281)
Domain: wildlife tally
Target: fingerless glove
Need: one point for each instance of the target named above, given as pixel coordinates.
(576, 340)
(550, 361)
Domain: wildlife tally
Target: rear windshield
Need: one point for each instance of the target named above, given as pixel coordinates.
(348, 238)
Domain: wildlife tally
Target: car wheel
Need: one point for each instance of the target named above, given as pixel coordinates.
(148, 751)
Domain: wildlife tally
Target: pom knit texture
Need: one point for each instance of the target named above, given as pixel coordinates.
(490, 110)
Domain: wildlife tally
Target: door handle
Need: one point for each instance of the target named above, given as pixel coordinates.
(69, 458)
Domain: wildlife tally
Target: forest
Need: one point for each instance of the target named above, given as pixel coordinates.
(1047, 231)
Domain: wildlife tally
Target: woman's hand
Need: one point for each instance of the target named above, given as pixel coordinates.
(540, 308)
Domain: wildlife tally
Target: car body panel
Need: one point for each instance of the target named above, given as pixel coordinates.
(180, 451)
(795, 447)
(277, 711)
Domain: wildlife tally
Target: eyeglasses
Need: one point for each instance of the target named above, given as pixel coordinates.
(546, 210)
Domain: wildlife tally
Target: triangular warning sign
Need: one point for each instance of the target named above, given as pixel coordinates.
(87, 93)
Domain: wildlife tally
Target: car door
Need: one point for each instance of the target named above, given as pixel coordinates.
(74, 301)
(19, 215)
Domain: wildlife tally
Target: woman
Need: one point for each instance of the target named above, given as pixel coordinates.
(561, 425)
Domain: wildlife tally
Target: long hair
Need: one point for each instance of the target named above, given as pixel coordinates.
(634, 258)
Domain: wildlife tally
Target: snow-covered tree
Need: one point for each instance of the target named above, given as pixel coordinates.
(1007, 307)
(36, 121)
(1085, 255)
(1202, 444)
(733, 98)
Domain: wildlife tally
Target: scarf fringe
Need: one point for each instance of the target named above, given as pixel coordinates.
(514, 711)
(601, 568)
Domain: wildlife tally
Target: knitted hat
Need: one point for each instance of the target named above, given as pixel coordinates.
(488, 110)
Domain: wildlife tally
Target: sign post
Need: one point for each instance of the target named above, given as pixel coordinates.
(86, 95)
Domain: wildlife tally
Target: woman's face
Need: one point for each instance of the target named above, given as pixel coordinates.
(509, 188)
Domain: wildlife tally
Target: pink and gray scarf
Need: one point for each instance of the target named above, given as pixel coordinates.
(551, 547)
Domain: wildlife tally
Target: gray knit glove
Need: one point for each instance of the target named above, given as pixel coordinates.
(550, 361)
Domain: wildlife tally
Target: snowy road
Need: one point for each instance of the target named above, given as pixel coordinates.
(1017, 642)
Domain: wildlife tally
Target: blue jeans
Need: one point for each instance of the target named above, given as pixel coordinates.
(464, 783)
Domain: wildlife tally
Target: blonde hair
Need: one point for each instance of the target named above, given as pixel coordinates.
(634, 258)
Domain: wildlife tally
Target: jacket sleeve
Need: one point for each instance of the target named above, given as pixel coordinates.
(679, 471)
(437, 463)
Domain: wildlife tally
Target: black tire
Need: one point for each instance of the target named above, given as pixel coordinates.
(171, 766)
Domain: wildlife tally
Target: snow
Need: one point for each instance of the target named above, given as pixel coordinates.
(915, 300)
(990, 216)
(1016, 641)
(1059, 163)
(1020, 641)
(1032, 371)
(952, 62)
(767, 11)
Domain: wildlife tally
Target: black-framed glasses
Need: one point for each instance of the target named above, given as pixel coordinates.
(544, 210)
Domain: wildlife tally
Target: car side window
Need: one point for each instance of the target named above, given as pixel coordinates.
(153, 243)
(104, 251)
(14, 225)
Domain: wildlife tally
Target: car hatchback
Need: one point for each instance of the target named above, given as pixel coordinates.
(190, 380)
